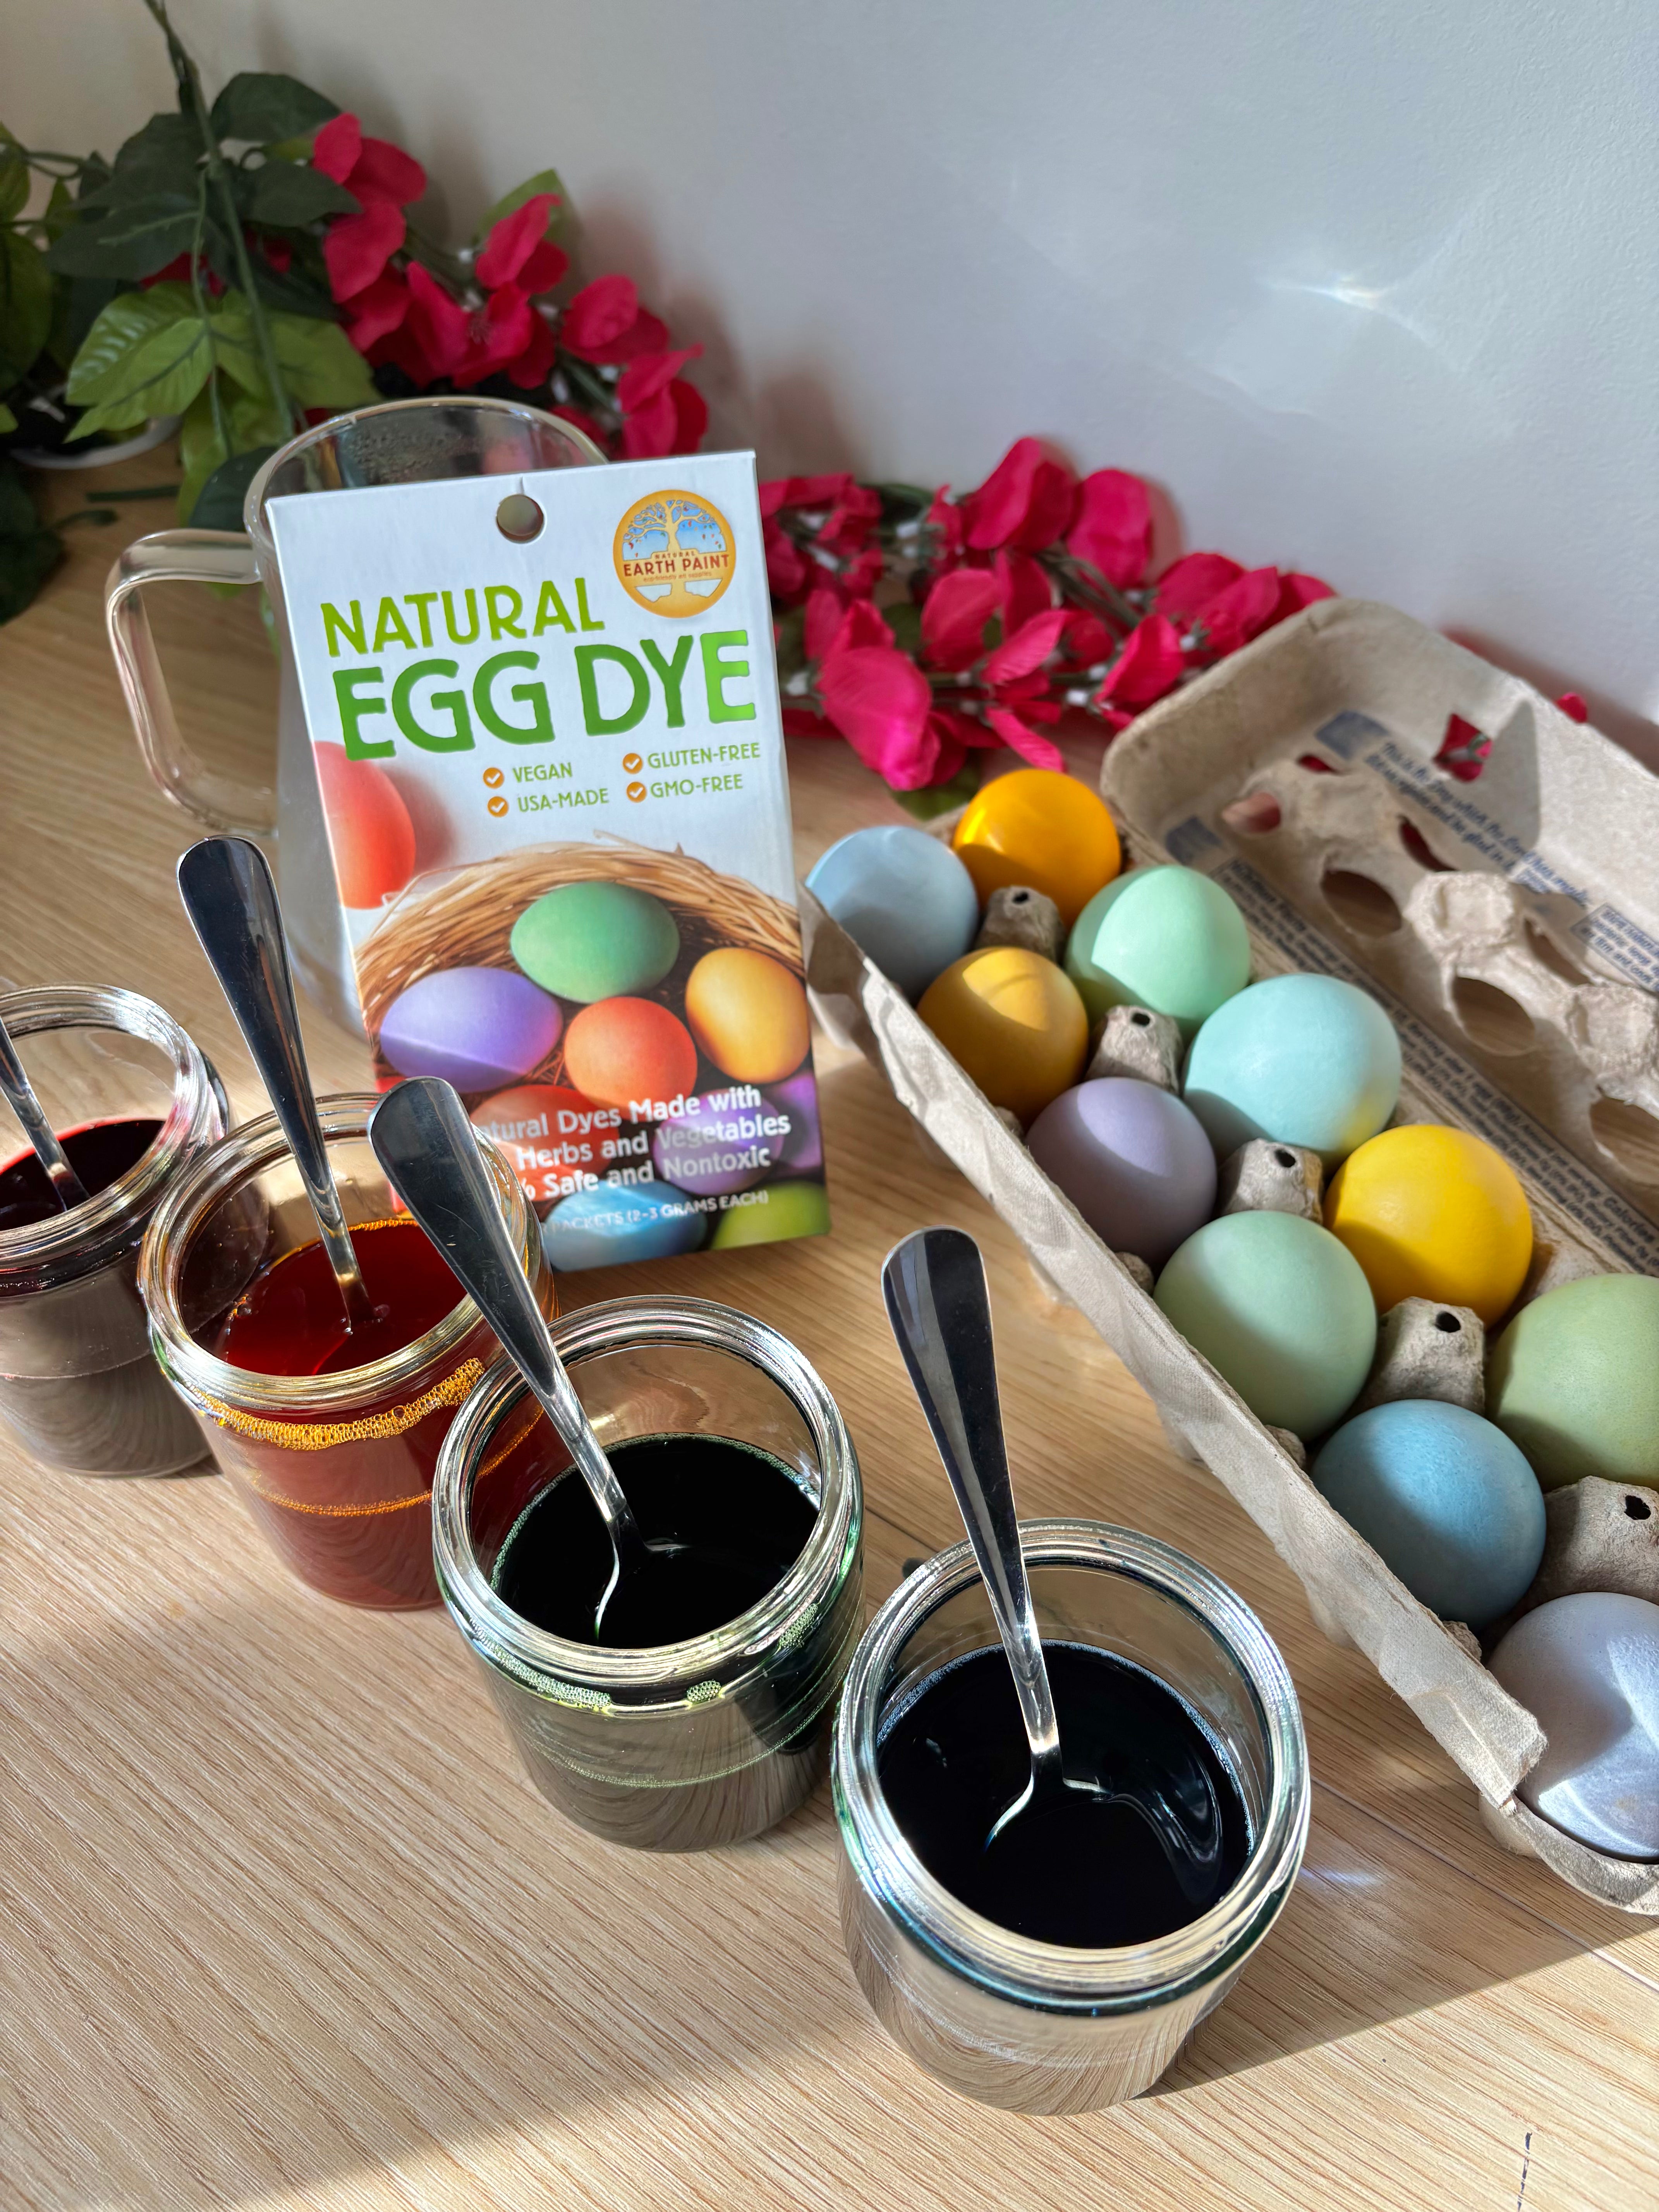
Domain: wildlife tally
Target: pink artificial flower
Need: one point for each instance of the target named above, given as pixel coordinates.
(1147, 668)
(947, 527)
(1025, 589)
(1026, 742)
(357, 247)
(1187, 583)
(788, 571)
(1573, 706)
(377, 311)
(817, 491)
(846, 529)
(881, 703)
(1463, 750)
(672, 423)
(1089, 643)
(600, 314)
(1296, 591)
(371, 169)
(1113, 527)
(953, 618)
(519, 251)
(533, 366)
(1026, 501)
(1024, 653)
(1238, 611)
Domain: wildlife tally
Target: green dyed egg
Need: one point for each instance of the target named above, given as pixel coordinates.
(1574, 1380)
(600, 940)
(1163, 938)
(1281, 1310)
(776, 1211)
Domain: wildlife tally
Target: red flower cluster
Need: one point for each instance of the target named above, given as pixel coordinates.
(399, 310)
(923, 630)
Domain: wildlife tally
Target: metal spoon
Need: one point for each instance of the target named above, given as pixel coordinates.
(67, 1187)
(934, 1286)
(227, 888)
(424, 1141)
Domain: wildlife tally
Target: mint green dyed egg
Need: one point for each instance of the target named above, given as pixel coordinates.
(1163, 938)
(1574, 1380)
(1280, 1309)
(598, 940)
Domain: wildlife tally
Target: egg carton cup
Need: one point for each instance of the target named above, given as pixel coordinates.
(465, 918)
(1509, 925)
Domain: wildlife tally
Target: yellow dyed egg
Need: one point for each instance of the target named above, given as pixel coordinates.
(1432, 1212)
(748, 1014)
(1013, 1021)
(1040, 827)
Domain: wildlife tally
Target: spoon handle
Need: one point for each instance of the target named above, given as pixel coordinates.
(67, 1187)
(423, 1140)
(934, 1286)
(227, 888)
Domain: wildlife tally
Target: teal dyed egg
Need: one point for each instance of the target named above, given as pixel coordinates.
(1304, 1059)
(904, 899)
(598, 940)
(1574, 1380)
(1280, 1309)
(1444, 1498)
(1163, 938)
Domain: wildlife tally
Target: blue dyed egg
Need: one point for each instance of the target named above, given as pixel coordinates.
(1304, 1059)
(1444, 1498)
(477, 1027)
(904, 899)
(619, 1222)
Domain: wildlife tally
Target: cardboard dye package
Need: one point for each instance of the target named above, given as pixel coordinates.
(1510, 925)
(544, 717)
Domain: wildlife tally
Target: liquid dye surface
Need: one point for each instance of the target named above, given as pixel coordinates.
(100, 1152)
(1166, 1839)
(726, 1522)
(291, 1321)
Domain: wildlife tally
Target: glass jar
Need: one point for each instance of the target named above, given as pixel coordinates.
(1035, 2027)
(79, 1389)
(683, 1746)
(337, 1468)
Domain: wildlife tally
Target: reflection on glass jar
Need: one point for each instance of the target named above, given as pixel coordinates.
(1036, 2027)
(685, 1745)
(337, 1462)
(138, 1102)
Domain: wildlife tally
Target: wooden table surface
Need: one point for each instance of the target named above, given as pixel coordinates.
(282, 1924)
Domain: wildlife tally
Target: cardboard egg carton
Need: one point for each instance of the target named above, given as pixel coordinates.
(1509, 924)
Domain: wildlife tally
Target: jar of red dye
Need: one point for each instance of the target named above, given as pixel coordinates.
(134, 1102)
(331, 1440)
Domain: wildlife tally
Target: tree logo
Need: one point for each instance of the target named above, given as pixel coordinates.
(674, 553)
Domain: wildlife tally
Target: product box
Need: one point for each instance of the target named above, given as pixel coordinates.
(544, 717)
(1510, 925)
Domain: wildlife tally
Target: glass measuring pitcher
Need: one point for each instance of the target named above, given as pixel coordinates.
(406, 441)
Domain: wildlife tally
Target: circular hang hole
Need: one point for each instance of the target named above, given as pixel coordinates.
(519, 518)
(1629, 1135)
(1360, 903)
(1491, 1018)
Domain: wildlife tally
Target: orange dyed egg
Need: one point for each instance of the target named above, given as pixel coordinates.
(632, 1054)
(1042, 829)
(748, 1014)
(370, 829)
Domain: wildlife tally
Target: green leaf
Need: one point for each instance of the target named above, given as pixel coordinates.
(60, 211)
(263, 106)
(250, 422)
(8, 420)
(904, 618)
(319, 365)
(285, 195)
(791, 640)
(939, 797)
(14, 180)
(544, 180)
(148, 354)
(25, 306)
(163, 157)
(219, 507)
(132, 241)
(28, 550)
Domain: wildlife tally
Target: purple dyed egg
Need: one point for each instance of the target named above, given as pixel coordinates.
(801, 1152)
(1133, 1160)
(477, 1027)
(716, 1147)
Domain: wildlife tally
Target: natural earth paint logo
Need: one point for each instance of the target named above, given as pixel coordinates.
(675, 553)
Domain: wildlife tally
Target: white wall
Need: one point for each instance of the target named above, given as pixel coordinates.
(1370, 286)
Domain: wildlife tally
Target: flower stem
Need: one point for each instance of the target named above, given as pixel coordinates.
(192, 103)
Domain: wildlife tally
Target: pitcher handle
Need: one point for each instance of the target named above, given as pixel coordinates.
(173, 557)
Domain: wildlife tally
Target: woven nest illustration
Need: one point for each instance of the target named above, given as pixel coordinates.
(467, 921)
